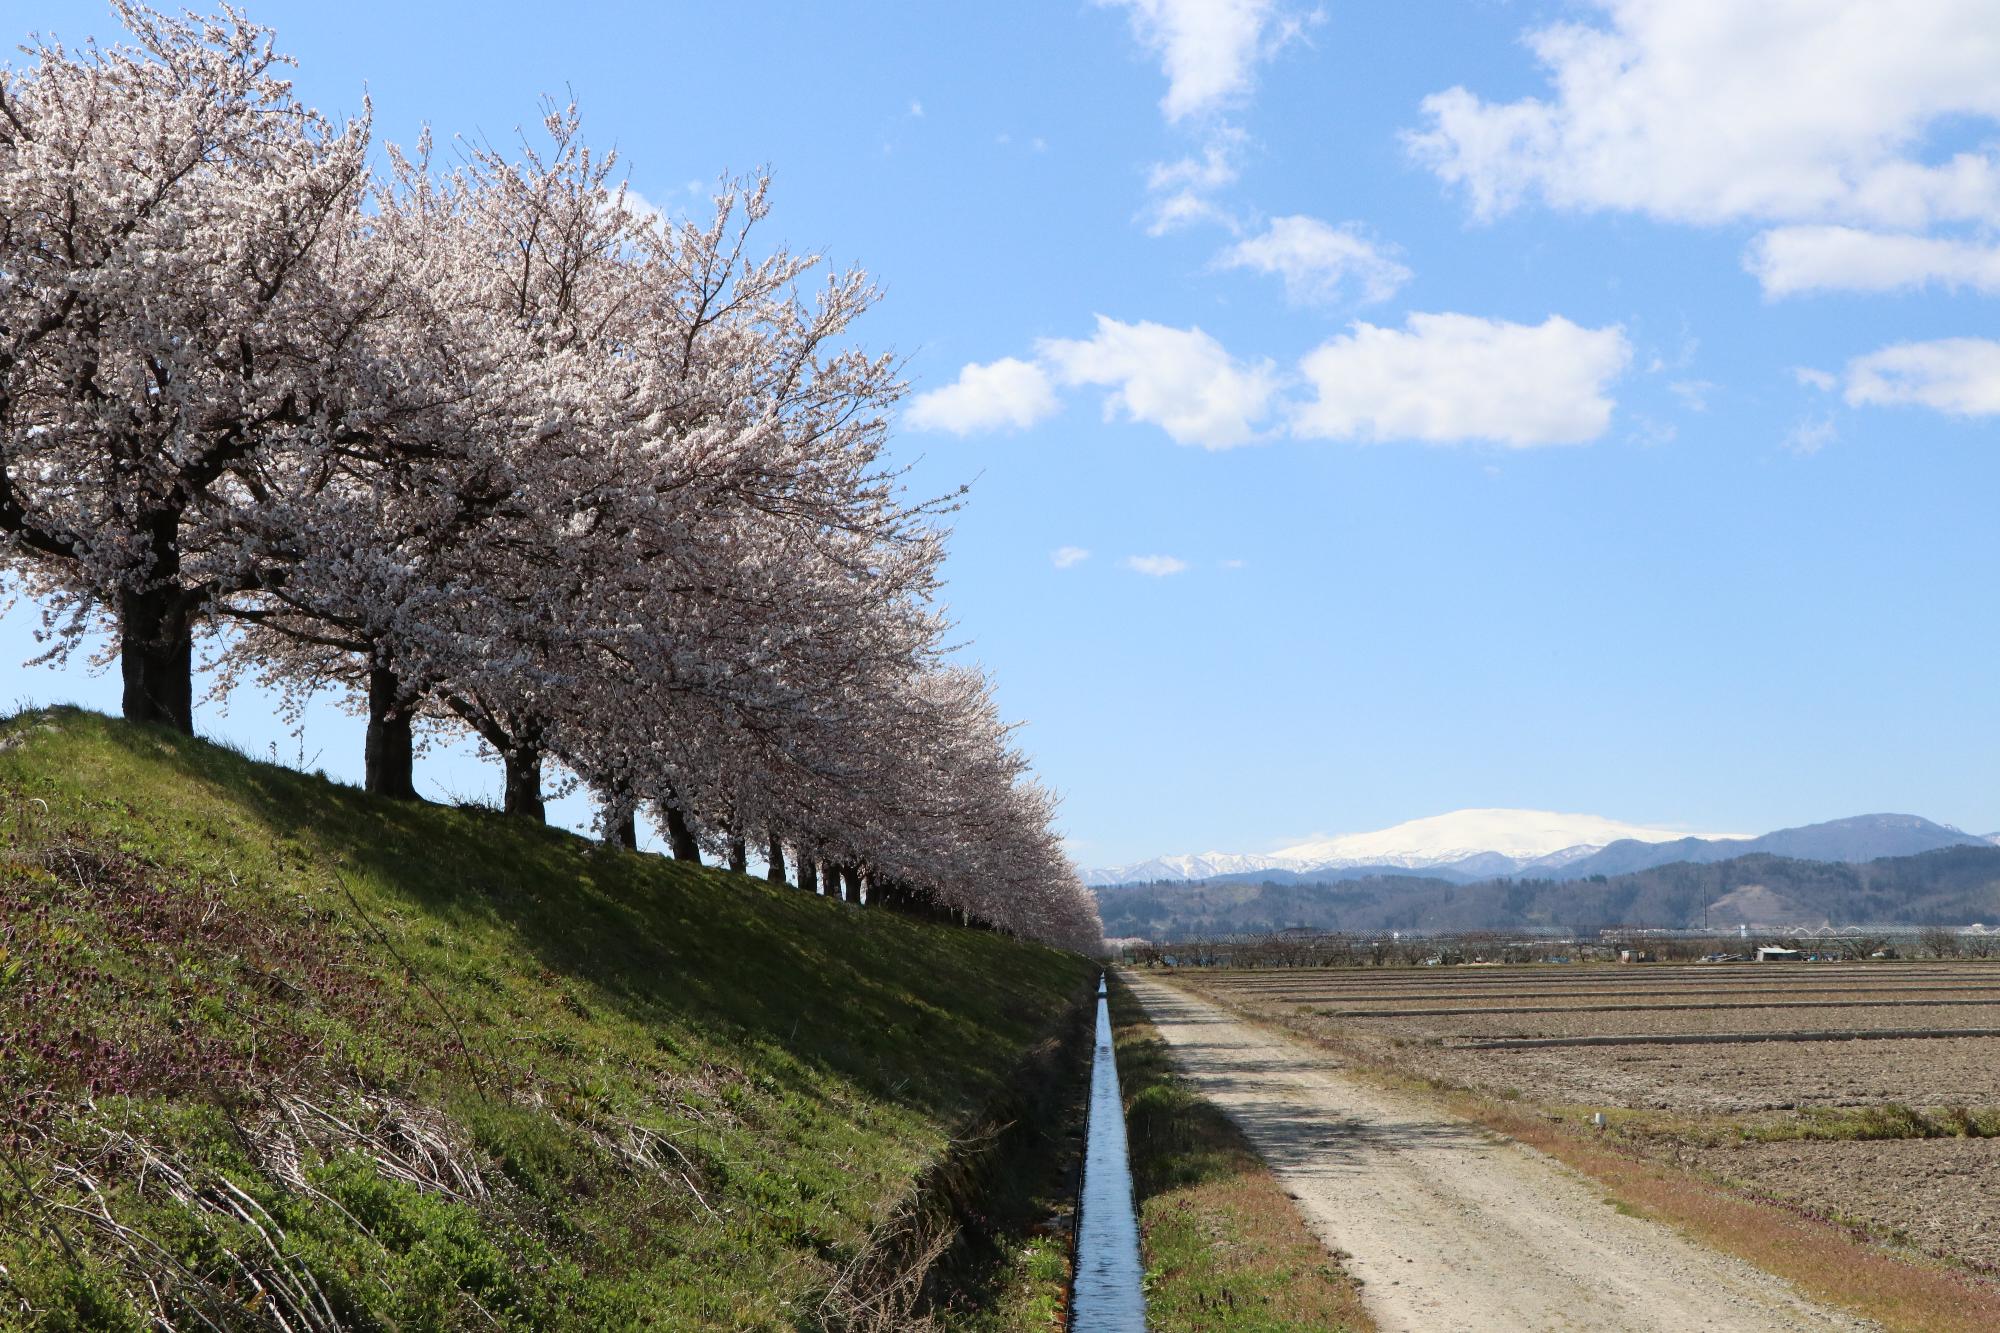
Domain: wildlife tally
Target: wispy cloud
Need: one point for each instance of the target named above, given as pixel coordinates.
(1068, 557)
(1319, 262)
(1182, 192)
(1809, 436)
(1959, 376)
(1156, 566)
(1693, 393)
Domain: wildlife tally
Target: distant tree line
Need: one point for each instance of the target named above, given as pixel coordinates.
(490, 448)
(1303, 947)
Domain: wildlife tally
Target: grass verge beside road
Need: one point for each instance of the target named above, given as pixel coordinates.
(1225, 1251)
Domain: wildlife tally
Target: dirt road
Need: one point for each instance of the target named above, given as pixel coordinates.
(1450, 1227)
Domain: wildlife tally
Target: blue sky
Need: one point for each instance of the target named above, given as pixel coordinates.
(1613, 434)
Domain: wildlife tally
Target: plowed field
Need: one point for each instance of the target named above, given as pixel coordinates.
(1717, 1060)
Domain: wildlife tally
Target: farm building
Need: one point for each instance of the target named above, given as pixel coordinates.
(1777, 953)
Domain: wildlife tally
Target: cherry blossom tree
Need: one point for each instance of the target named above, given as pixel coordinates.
(428, 572)
(176, 276)
(482, 446)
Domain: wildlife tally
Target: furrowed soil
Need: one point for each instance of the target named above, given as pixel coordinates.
(1934, 1194)
(276, 1054)
(1749, 1077)
(1887, 1135)
(1423, 1020)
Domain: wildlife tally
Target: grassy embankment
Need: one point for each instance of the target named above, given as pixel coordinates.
(1634, 1163)
(1225, 1251)
(275, 1053)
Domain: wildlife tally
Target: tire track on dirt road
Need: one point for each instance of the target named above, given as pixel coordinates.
(1449, 1226)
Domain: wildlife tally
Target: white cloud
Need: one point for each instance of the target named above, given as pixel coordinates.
(917, 109)
(1317, 261)
(1446, 377)
(1791, 260)
(1065, 557)
(1960, 376)
(1158, 566)
(1814, 379)
(1235, 564)
(1208, 49)
(1707, 110)
(1008, 393)
(1181, 380)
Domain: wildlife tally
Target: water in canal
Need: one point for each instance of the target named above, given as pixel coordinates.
(1109, 1298)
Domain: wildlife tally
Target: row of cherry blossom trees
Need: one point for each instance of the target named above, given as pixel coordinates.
(486, 446)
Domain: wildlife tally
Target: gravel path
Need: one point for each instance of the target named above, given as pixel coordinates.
(1448, 1226)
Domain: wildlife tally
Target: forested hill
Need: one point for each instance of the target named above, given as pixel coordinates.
(279, 1054)
(1951, 886)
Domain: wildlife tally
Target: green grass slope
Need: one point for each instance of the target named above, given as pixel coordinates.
(275, 1053)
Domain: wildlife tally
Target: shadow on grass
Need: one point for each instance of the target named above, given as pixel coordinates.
(839, 989)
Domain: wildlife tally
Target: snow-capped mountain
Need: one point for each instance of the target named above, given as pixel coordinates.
(1493, 842)
(1520, 835)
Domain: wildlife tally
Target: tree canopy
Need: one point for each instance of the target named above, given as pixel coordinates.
(488, 447)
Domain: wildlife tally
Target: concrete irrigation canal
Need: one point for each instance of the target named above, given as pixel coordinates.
(1109, 1297)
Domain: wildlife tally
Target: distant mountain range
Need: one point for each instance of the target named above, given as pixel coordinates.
(1956, 885)
(1471, 845)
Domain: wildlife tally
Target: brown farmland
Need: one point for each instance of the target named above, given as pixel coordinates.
(1853, 1090)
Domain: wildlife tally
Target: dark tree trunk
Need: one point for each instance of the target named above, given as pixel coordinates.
(775, 871)
(156, 652)
(519, 746)
(617, 817)
(680, 838)
(850, 883)
(523, 795)
(389, 754)
(808, 873)
(739, 857)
